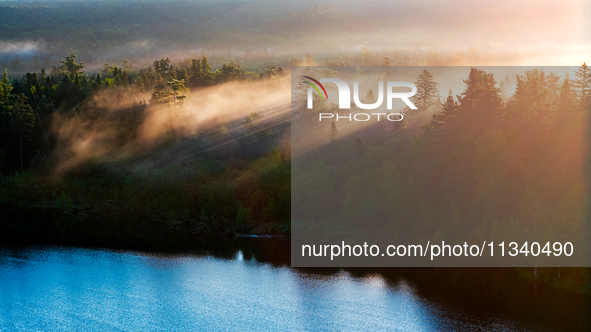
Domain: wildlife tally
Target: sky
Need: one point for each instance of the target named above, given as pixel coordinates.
(541, 32)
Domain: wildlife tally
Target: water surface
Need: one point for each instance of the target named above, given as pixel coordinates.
(59, 288)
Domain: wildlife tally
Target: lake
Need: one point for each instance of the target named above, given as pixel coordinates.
(232, 288)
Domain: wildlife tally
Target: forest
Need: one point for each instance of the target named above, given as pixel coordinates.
(122, 143)
(150, 133)
(61, 181)
(488, 163)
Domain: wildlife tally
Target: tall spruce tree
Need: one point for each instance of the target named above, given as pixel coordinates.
(427, 94)
(583, 84)
(333, 132)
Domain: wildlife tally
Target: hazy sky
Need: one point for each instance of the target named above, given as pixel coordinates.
(540, 29)
(540, 32)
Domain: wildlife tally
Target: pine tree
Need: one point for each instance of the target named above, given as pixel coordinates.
(5, 88)
(480, 105)
(77, 86)
(15, 113)
(567, 99)
(42, 75)
(22, 121)
(98, 81)
(232, 71)
(70, 66)
(196, 73)
(178, 86)
(207, 76)
(427, 94)
(443, 120)
(139, 85)
(160, 94)
(370, 97)
(47, 84)
(333, 132)
(583, 84)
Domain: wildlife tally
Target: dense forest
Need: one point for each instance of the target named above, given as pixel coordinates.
(491, 163)
(488, 164)
(472, 161)
(221, 176)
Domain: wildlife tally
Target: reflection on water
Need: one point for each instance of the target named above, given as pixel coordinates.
(55, 288)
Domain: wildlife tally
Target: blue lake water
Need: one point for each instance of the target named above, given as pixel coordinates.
(70, 289)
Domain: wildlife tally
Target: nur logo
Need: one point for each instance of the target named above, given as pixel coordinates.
(345, 93)
(315, 87)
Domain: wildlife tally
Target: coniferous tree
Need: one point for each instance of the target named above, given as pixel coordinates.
(231, 72)
(48, 84)
(370, 97)
(442, 122)
(160, 94)
(5, 89)
(98, 81)
(427, 94)
(70, 66)
(480, 105)
(77, 85)
(22, 121)
(196, 73)
(333, 132)
(16, 115)
(207, 76)
(139, 84)
(567, 100)
(583, 84)
(178, 86)
(42, 75)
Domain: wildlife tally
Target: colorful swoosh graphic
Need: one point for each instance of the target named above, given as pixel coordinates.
(315, 87)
